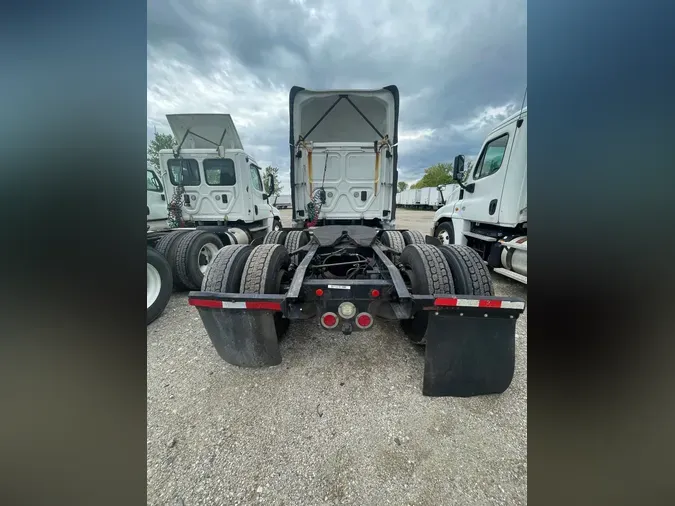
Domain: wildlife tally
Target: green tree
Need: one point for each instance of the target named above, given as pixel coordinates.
(161, 141)
(438, 174)
(274, 173)
(402, 186)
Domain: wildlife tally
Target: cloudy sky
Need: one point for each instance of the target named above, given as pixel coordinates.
(460, 65)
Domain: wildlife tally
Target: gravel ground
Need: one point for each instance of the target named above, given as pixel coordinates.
(341, 421)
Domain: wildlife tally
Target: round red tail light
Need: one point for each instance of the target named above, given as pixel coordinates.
(319, 292)
(329, 320)
(364, 321)
(375, 293)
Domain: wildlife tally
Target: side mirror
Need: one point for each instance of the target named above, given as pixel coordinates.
(458, 168)
(458, 174)
(266, 197)
(270, 184)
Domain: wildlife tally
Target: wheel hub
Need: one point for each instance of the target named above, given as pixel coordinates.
(206, 254)
(444, 237)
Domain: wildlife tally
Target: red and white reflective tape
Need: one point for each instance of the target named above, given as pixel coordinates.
(249, 304)
(486, 303)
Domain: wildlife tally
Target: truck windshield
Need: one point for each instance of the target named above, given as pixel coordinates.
(219, 172)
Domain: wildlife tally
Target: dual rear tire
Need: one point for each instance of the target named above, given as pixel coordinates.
(427, 273)
(253, 270)
(430, 270)
(190, 253)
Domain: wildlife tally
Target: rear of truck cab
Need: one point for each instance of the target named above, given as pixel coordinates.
(344, 142)
(221, 181)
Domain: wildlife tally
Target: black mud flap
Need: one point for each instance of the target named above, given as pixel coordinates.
(468, 355)
(241, 337)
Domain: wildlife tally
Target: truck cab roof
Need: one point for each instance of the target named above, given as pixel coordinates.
(508, 120)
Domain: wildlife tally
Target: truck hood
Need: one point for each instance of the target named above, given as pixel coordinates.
(344, 115)
(198, 131)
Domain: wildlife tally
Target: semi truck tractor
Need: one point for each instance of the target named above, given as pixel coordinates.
(345, 266)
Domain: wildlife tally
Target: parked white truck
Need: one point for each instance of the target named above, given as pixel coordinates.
(215, 197)
(219, 183)
(490, 211)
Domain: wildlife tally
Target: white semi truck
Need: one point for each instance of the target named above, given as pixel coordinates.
(489, 214)
(345, 266)
(215, 197)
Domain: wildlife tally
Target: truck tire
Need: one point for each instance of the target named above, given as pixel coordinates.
(224, 273)
(275, 237)
(159, 285)
(428, 272)
(294, 240)
(166, 246)
(469, 274)
(394, 240)
(413, 237)
(445, 233)
(266, 267)
(194, 253)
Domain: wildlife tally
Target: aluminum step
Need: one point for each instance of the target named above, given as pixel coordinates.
(511, 274)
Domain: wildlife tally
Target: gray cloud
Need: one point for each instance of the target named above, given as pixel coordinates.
(460, 66)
